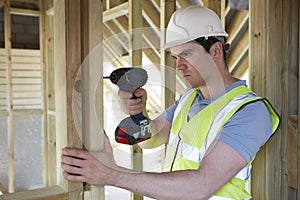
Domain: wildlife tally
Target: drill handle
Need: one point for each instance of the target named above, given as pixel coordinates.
(138, 117)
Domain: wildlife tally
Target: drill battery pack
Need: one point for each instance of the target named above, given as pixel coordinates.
(133, 129)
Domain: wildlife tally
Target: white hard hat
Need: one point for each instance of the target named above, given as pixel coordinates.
(192, 22)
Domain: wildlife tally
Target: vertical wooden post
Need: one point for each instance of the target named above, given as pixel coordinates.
(91, 78)
(167, 62)
(9, 88)
(49, 51)
(298, 105)
(135, 60)
(67, 61)
(44, 93)
(267, 61)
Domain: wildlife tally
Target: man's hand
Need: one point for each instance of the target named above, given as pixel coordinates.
(96, 168)
(132, 106)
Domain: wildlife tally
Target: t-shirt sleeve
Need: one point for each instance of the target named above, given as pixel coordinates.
(168, 114)
(248, 129)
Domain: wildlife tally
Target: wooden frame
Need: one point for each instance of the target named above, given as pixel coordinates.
(66, 45)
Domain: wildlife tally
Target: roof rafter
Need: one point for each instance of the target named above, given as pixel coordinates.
(115, 12)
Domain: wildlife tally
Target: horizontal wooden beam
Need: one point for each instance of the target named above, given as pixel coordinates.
(25, 12)
(115, 12)
(54, 192)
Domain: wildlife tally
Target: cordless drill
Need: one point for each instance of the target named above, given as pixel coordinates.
(135, 128)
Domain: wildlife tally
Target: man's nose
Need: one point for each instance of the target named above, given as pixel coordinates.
(180, 63)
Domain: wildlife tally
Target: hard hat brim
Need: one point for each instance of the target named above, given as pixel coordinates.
(189, 39)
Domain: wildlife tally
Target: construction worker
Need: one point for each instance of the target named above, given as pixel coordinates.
(213, 131)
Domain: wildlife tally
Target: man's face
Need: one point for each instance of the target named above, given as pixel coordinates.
(194, 63)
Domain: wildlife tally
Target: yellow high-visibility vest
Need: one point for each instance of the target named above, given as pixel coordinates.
(189, 140)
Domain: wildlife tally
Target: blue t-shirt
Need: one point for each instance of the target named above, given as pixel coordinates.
(246, 131)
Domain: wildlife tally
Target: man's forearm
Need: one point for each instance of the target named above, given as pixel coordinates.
(186, 184)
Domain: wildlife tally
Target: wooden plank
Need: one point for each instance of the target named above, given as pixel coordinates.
(50, 58)
(48, 193)
(238, 21)
(151, 38)
(28, 112)
(23, 74)
(66, 61)
(50, 92)
(29, 94)
(257, 53)
(156, 4)
(9, 90)
(24, 80)
(24, 12)
(135, 24)
(243, 67)
(92, 114)
(150, 14)
(295, 62)
(22, 59)
(26, 101)
(292, 151)
(182, 3)
(121, 25)
(266, 59)
(114, 39)
(115, 12)
(23, 66)
(44, 96)
(22, 88)
(238, 52)
(28, 107)
(21, 52)
(276, 160)
(168, 69)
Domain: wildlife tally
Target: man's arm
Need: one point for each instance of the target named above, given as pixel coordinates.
(217, 168)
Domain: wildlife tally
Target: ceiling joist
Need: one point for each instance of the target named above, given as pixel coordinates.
(115, 12)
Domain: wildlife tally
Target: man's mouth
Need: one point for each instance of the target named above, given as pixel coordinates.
(185, 75)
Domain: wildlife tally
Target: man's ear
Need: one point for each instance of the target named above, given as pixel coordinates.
(216, 51)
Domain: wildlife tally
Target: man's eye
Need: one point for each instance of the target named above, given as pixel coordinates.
(185, 54)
